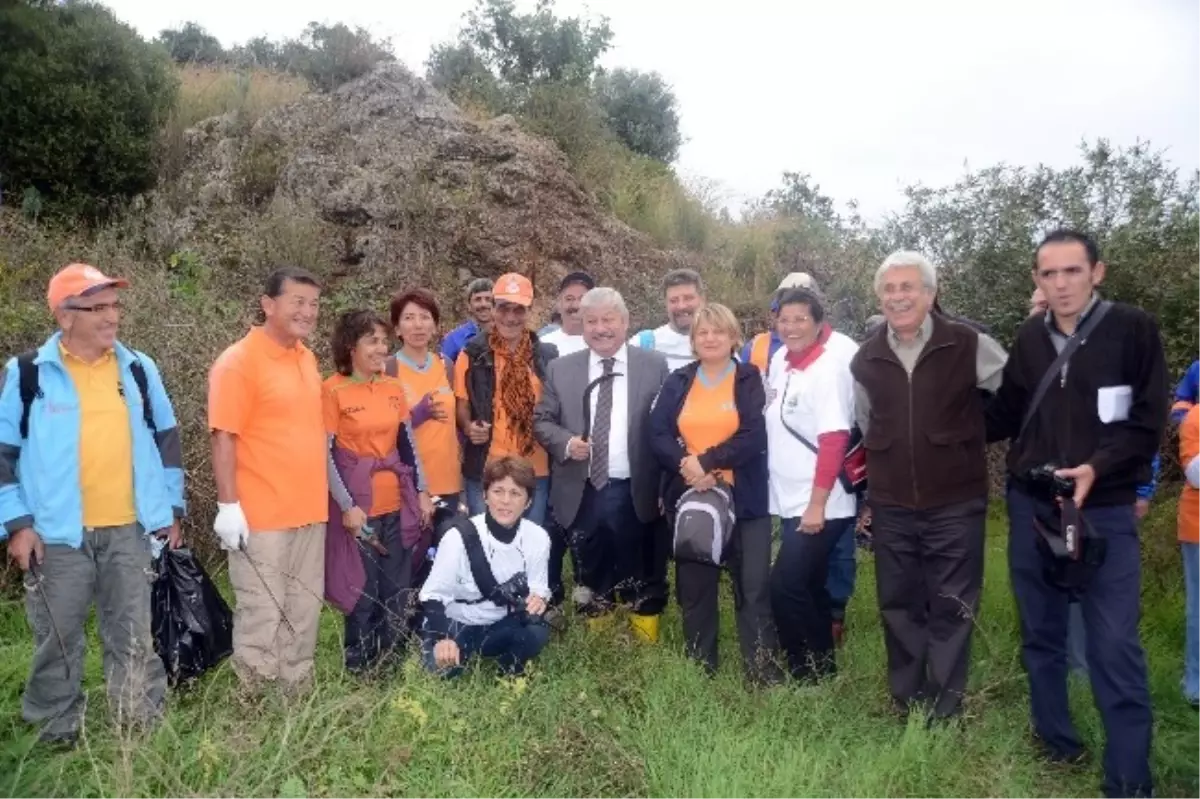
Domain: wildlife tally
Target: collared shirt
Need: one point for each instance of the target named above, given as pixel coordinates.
(269, 398)
(105, 441)
(990, 358)
(618, 428)
(1058, 338)
(365, 416)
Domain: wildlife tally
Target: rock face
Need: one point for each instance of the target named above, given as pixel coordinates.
(394, 170)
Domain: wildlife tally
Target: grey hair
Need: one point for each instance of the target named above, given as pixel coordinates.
(479, 285)
(604, 297)
(902, 258)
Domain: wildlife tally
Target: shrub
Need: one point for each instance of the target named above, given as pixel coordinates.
(330, 55)
(640, 109)
(82, 98)
(191, 44)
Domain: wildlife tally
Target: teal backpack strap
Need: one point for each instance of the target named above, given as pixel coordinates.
(646, 339)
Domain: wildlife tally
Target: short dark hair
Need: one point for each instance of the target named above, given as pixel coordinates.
(803, 297)
(351, 327)
(683, 277)
(577, 279)
(478, 286)
(422, 298)
(1065, 235)
(279, 278)
(519, 469)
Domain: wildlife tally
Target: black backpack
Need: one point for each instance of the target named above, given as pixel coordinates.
(29, 388)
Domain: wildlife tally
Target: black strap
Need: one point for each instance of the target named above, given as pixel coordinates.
(30, 389)
(27, 385)
(481, 570)
(139, 378)
(1073, 343)
(587, 401)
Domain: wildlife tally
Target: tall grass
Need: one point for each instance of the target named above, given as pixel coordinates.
(603, 716)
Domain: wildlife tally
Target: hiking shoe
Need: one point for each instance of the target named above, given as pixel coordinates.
(1078, 757)
(64, 741)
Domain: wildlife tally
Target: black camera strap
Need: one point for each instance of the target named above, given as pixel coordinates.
(1073, 343)
(481, 570)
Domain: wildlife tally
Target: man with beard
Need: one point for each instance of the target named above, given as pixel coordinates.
(479, 302)
(568, 337)
(683, 291)
(605, 481)
(269, 458)
(918, 399)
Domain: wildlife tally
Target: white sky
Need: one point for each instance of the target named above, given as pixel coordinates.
(867, 96)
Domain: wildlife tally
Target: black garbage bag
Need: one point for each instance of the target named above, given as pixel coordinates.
(193, 627)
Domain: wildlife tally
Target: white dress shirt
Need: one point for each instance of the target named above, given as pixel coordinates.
(618, 429)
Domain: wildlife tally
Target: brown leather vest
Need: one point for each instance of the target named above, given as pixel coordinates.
(925, 438)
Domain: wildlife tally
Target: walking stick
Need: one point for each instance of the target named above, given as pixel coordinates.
(38, 576)
(270, 593)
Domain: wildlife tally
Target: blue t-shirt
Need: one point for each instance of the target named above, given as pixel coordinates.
(1187, 393)
(457, 338)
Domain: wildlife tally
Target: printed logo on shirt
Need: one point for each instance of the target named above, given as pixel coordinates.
(353, 409)
(394, 403)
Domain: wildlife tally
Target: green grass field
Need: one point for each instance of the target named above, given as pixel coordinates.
(603, 716)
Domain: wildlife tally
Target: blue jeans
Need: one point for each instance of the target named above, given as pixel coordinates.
(536, 512)
(1191, 656)
(842, 572)
(1111, 607)
(512, 642)
(800, 598)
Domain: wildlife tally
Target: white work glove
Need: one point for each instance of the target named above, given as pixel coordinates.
(231, 526)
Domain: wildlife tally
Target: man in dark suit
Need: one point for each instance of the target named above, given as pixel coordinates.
(593, 421)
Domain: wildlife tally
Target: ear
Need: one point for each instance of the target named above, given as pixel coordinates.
(1098, 272)
(267, 304)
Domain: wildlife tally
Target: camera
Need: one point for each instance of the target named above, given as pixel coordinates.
(1044, 478)
(512, 593)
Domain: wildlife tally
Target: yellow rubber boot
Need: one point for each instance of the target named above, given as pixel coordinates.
(645, 628)
(601, 623)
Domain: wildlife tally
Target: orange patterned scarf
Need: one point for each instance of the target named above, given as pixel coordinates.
(514, 389)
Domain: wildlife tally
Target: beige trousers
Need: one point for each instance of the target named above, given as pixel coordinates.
(280, 580)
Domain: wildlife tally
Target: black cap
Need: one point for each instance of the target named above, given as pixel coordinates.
(582, 278)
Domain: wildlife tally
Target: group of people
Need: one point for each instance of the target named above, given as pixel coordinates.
(432, 493)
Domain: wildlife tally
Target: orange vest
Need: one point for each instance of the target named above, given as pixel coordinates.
(1189, 502)
(760, 351)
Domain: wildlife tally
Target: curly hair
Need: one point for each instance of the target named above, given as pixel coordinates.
(351, 327)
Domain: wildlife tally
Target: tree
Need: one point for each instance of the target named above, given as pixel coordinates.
(640, 109)
(191, 44)
(258, 52)
(459, 71)
(82, 98)
(330, 55)
(525, 50)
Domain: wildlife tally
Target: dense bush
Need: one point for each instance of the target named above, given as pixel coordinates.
(640, 109)
(192, 44)
(82, 98)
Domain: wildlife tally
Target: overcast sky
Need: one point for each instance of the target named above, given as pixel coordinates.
(865, 96)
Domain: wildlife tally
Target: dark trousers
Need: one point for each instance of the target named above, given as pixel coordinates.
(800, 596)
(513, 641)
(380, 618)
(1116, 663)
(697, 591)
(842, 572)
(613, 551)
(558, 554)
(928, 577)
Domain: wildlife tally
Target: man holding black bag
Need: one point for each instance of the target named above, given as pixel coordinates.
(1084, 402)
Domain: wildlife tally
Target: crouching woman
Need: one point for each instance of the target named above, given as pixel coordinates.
(488, 587)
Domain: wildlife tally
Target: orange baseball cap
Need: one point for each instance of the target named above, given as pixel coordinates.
(513, 288)
(75, 280)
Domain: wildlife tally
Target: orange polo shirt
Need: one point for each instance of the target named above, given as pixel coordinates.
(365, 416)
(709, 416)
(503, 443)
(436, 442)
(1189, 501)
(105, 441)
(269, 398)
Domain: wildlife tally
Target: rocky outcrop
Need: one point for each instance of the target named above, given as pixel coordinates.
(395, 170)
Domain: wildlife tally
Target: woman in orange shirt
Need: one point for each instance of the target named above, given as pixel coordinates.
(427, 377)
(708, 425)
(379, 508)
(1189, 543)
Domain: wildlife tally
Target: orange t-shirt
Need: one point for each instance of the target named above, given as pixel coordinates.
(502, 443)
(436, 442)
(1189, 501)
(709, 415)
(269, 398)
(364, 416)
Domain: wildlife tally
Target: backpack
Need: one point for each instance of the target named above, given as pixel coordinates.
(29, 389)
(704, 523)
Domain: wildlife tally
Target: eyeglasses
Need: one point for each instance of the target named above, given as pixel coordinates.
(100, 307)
